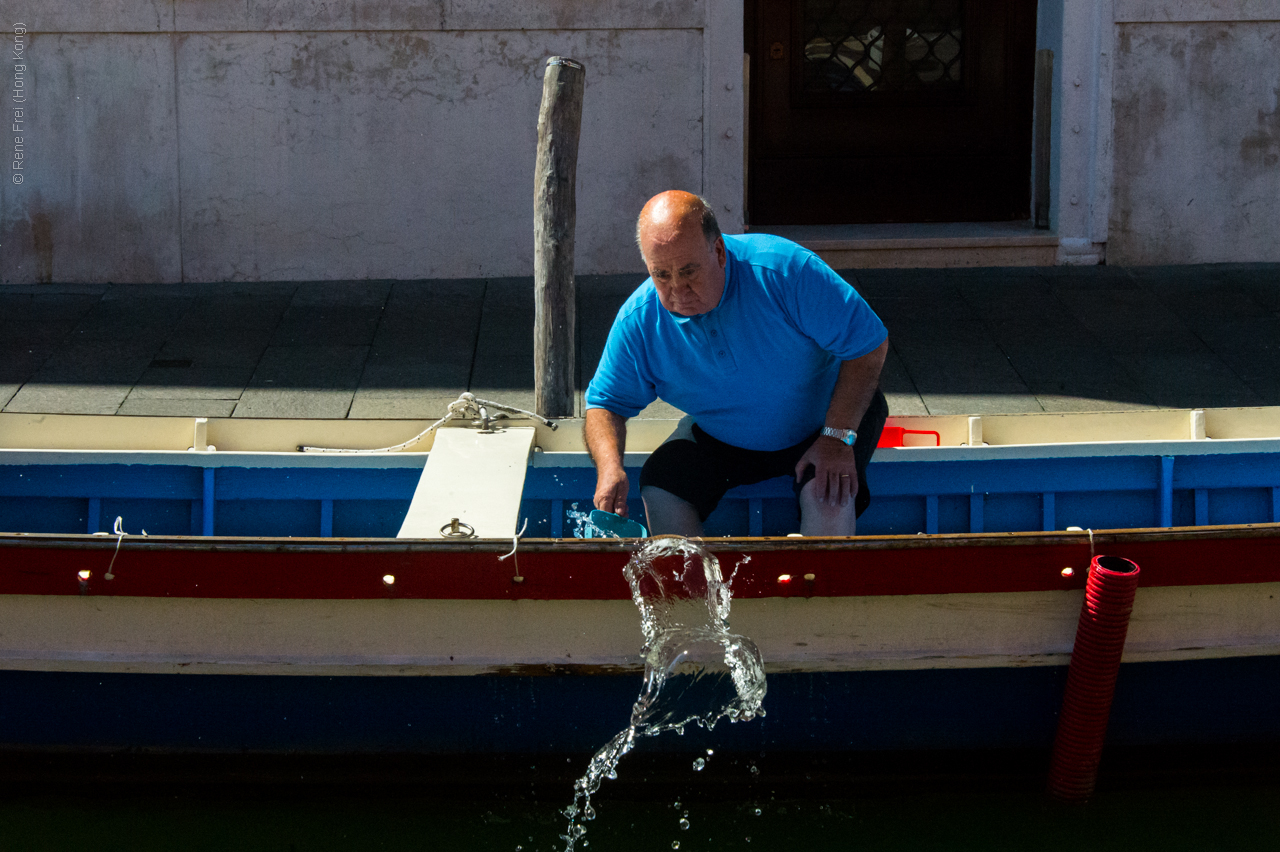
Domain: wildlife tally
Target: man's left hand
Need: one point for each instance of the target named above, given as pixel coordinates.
(835, 473)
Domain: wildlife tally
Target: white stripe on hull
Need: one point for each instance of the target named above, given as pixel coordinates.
(467, 637)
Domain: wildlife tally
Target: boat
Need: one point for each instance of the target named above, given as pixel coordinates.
(271, 608)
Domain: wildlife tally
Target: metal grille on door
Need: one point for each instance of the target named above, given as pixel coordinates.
(881, 45)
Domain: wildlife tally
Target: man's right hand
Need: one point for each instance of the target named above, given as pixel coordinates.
(606, 438)
(611, 491)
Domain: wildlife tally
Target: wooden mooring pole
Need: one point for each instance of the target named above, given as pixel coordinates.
(554, 220)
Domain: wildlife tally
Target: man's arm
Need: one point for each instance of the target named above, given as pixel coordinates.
(606, 437)
(835, 473)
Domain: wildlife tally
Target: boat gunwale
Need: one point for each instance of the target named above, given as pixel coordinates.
(737, 544)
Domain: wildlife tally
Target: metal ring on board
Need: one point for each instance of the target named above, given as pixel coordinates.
(457, 529)
(562, 60)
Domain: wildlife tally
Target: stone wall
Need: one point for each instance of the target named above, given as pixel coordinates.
(1196, 105)
(219, 140)
(216, 140)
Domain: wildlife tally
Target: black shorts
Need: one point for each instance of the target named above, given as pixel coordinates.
(699, 469)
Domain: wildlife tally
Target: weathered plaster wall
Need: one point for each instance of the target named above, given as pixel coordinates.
(395, 155)
(211, 140)
(1197, 134)
(99, 197)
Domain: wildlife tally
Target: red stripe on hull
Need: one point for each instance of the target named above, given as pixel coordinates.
(591, 570)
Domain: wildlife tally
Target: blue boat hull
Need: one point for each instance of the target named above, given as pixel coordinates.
(1201, 702)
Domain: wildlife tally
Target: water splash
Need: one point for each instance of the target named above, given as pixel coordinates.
(695, 670)
(582, 523)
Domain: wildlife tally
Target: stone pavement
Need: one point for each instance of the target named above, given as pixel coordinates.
(964, 341)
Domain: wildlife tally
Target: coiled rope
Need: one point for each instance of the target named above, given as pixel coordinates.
(465, 406)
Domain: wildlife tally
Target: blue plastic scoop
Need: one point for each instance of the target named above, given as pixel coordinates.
(612, 526)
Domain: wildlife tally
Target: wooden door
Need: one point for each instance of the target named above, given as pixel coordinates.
(890, 110)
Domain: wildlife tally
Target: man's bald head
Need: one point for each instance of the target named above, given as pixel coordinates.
(671, 213)
(684, 252)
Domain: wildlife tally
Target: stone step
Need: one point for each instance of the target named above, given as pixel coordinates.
(930, 245)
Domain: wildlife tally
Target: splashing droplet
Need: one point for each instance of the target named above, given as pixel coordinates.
(582, 526)
(675, 844)
(684, 824)
(695, 669)
(755, 770)
(758, 812)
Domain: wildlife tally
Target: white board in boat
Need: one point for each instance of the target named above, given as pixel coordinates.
(474, 476)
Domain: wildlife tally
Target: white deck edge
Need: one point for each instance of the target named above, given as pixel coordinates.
(892, 455)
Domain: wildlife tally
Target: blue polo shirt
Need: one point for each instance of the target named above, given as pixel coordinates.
(758, 370)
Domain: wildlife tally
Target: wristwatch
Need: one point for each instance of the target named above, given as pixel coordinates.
(844, 436)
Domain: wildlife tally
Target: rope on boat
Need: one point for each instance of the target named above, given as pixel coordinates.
(515, 545)
(463, 407)
(118, 531)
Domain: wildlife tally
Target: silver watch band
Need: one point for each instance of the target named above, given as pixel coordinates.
(844, 436)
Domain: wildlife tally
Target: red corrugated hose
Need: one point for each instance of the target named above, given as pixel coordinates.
(1091, 677)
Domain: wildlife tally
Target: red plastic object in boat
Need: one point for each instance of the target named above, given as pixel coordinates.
(1091, 677)
(893, 436)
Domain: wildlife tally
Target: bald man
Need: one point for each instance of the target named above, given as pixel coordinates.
(775, 358)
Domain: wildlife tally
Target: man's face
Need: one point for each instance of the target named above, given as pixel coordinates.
(687, 271)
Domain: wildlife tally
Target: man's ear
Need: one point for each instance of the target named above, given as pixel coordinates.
(722, 256)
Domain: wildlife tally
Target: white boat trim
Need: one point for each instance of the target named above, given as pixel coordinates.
(397, 637)
(1207, 427)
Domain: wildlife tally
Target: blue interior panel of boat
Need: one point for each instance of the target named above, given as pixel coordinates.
(729, 516)
(953, 513)
(1012, 512)
(954, 496)
(163, 517)
(538, 513)
(368, 518)
(1231, 502)
(44, 514)
(265, 517)
(1101, 510)
(896, 515)
(1184, 508)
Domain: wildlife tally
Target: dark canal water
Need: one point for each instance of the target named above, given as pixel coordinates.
(727, 808)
